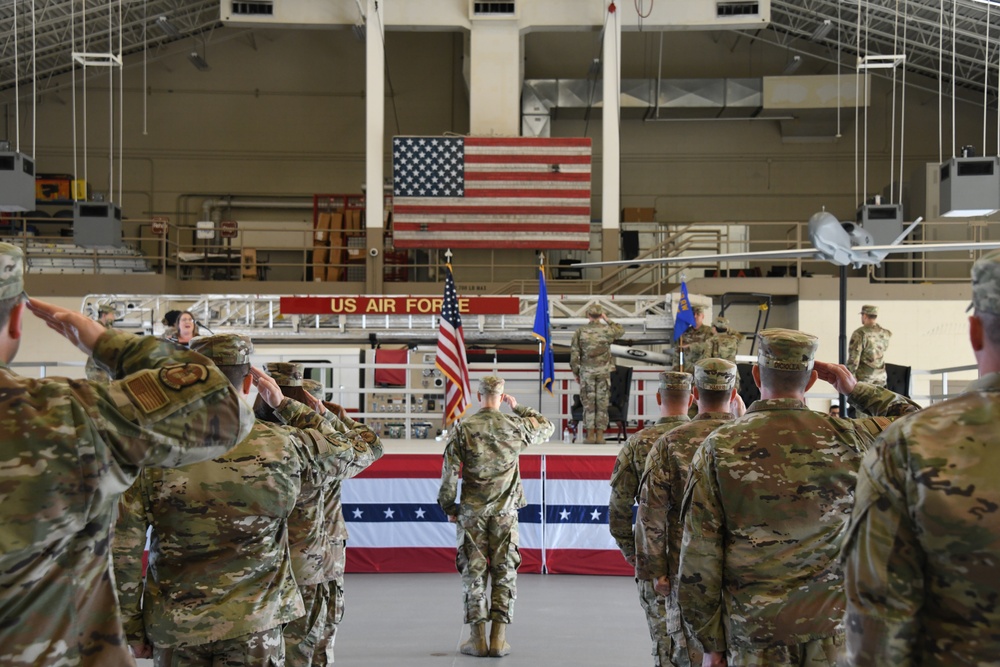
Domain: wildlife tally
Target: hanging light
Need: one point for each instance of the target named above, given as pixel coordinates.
(198, 61)
(168, 28)
(822, 30)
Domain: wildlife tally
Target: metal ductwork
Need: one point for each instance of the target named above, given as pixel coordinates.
(786, 99)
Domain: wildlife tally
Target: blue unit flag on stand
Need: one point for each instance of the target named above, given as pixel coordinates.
(685, 316)
(543, 332)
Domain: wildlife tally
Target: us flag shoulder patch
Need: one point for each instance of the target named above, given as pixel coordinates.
(147, 392)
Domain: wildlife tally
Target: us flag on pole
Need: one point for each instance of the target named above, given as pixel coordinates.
(491, 192)
(451, 359)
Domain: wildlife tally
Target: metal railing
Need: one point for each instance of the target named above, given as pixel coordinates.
(178, 252)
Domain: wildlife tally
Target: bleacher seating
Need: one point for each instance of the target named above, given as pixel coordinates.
(69, 258)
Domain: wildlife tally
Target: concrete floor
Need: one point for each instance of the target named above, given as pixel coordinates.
(415, 620)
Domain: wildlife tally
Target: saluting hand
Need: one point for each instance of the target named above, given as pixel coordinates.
(509, 400)
(269, 390)
(315, 403)
(75, 327)
(837, 375)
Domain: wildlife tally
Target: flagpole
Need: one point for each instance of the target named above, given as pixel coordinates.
(541, 344)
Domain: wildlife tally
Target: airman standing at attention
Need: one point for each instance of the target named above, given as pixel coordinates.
(317, 556)
(694, 340)
(106, 318)
(336, 536)
(483, 450)
(921, 552)
(68, 450)
(220, 584)
(658, 524)
(765, 510)
(866, 352)
(724, 343)
(674, 399)
(591, 363)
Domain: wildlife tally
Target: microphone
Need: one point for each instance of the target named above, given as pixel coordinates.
(202, 326)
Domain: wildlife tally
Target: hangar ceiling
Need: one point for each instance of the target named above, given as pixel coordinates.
(930, 33)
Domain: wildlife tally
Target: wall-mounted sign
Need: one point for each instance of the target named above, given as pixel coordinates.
(228, 229)
(159, 226)
(396, 305)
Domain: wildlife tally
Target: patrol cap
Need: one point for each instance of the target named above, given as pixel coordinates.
(491, 384)
(986, 283)
(787, 349)
(721, 323)
(11, 271)
(313, 388)
(698, 308)
(595, 310)
(106, 308)
(224, 349)
(871, 311)
(675, 381)
(713, 374)
(286, 374)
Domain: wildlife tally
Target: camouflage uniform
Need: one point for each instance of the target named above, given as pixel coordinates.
(764, 512)
(70, 448)
(484, 449)
(591, 362)
(697, 341)
(220, 580)
(94, 372)
(921, 553)
(624, 493)
(337, 535)
(317, 534)
(658, 525)
(866, 353)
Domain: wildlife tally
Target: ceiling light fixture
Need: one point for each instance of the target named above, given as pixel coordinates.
(793, 65)
(168, 28)
(198, 61)
(822, 30)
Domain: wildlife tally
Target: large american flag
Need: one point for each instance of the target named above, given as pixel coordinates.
(451, 359)
(486, 192)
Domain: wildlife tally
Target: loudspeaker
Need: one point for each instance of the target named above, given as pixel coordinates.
(897, 379)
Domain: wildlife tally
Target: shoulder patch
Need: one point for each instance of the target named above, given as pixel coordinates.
(183, 375)
(146, 392)
(367, 435)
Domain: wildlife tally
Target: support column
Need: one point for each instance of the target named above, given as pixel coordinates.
(374, 140)
(495, 79)
(611, 148)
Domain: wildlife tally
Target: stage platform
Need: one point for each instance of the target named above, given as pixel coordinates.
(396, 524)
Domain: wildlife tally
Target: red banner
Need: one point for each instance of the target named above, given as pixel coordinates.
(396, 305)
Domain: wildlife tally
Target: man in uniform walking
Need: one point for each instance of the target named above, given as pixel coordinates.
(483, 450)
(658, 522)
(68, 449)
(673, 399)
(765, 509)
(220, 584)
(591, 363)
(921, 553)
(866, 352)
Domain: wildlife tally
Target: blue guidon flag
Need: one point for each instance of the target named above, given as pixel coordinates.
(491, 192)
